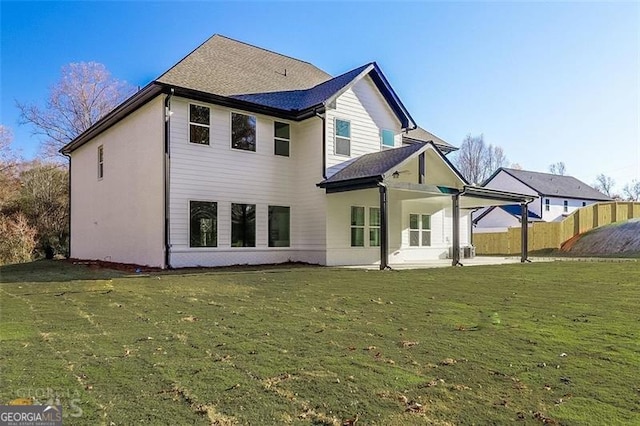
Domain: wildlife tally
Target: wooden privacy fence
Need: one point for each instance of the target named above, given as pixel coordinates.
(551, 235)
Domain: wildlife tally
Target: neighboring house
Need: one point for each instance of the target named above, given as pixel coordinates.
(556, 197)
(240, 155)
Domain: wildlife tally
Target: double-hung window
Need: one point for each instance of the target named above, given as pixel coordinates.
(419, 230)
(387, 138)
(374, 227)
(243, 131)
(342, 130)
(203, 224)
(547, 205)
(243, 225)
(357, 226)
(100, 162)
(361, 224)
(282, 138)
(565, 206)
(199, 123)
(279, 220)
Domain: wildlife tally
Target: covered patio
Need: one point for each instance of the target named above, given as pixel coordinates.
(412, 204)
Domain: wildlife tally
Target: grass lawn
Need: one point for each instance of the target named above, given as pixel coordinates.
(537, 343)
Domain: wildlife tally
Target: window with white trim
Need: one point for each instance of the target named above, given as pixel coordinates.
(357, 226)
(281, 139)
(243, 132)
(374, 226)
(243, 225)
(342, 133)
(419, 230)
(199, 124)
(100, 162)
(279, 226)
(547, 205)
(565, 206)
(203, 224)
(387, 138)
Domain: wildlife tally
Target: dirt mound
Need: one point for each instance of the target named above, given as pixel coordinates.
(620, 238)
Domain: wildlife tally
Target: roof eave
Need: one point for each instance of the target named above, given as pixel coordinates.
(351, 184)
(134, 102)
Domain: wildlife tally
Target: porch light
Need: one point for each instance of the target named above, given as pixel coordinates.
(396, 174)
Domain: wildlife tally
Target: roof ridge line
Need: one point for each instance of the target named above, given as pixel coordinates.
(267, 50)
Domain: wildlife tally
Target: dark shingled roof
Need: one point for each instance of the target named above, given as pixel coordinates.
(420, 134)
(555, 185)
(226, 67)
(297, 100)
(515, 210)
(375, 164)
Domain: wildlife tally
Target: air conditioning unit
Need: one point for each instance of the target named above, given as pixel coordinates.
(466, 252)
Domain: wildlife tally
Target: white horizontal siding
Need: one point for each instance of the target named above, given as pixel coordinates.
(218, 173)
(368, 112)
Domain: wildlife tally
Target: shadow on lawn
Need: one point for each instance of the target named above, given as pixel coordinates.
(53, 271)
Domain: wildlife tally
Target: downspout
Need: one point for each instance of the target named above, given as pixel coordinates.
(166, 170)
(384, 227)
(456, 229)
(69, 208)
(324, 143)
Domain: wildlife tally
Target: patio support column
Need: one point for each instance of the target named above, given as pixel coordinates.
(384, 228)
(524, 221)
(456, 230)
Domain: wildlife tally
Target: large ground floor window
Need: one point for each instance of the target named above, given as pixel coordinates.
(243, 225)
(279, 225)
(361, 222)
(203, 224)
(419, 230)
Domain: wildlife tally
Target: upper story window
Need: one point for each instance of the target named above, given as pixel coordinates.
(100, 162)
(419, 230)
(199, 123)
(282, 137)
(203, 224)
(342, 130)
(387, 138)
(547, 207)
(243, 132)
(584, 203)
(565, 206)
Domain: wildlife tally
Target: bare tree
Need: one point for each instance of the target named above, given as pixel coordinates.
(85, 93)
(558, 168)
(8, 157)
(632, 190)
(605, 185)
(477, 160)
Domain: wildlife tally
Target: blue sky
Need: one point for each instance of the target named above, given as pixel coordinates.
(548, 82)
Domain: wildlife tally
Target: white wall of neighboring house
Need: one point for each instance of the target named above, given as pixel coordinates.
(119, 218)
(497, 220)
(368, 112)
(556, 207)
(505, 182)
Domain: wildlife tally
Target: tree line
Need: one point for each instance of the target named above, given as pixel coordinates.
(34, 194)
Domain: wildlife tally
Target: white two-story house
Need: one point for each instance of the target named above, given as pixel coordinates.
(240, 155)
(555, 197)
